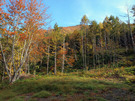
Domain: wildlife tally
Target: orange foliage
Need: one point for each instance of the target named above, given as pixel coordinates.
(71, 60)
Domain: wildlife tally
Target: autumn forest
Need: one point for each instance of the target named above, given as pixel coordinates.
(86, 60)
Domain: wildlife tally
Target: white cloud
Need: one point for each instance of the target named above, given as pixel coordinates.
(124, 5)
(122, 9)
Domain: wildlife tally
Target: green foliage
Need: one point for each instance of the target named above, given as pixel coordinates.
(85, 86)
(84, 20)
(69, 84)
(130, 70)
(7, 94)
(90, 98)
(63, 84)
(86, 93)
(4, 84)
(17, 99)
(91, 45)
(132, 88)
(101, 99)
(42, 94)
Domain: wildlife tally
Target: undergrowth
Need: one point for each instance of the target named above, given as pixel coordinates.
(68, 84)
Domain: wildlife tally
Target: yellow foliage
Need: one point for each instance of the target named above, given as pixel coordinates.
(101, 25)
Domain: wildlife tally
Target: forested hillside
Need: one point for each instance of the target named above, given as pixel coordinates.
(95, 57)
(28, 48)
(65, 49)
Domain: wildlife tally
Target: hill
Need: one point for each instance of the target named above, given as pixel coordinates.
(71, 29)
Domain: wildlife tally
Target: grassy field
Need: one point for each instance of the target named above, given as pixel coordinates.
(95, 85)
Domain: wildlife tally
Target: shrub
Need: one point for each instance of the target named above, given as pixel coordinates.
(17, 99)
(42, 94)
(130, 70)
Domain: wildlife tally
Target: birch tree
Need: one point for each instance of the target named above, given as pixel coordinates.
(21, 14)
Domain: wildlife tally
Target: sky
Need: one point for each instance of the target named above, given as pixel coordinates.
(69, 12)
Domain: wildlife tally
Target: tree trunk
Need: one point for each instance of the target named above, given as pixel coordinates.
(93, 55)
(28, 64)
(13, 46)
(17, 72)
(48, 58)
(130, 31)
(85, 58)
(3, 76)
(14, 78)
(63, 60)
(83, 50)
(5, 62)
(125, 41)
(55, 59)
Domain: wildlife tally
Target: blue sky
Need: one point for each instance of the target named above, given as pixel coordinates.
(70, 12)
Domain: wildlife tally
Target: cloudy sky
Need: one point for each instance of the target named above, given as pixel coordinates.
(70, 12)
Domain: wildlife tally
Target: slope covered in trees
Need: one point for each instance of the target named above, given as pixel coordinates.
(87, 46)
(28, 48)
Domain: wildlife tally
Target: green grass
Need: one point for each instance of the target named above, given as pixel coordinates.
(7, 94)
(101, 99)
(61, 84)
(42, 94)
(67, 85)
(17, 99)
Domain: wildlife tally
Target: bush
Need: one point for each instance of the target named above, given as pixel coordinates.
(42, 94)
(130, 70)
